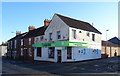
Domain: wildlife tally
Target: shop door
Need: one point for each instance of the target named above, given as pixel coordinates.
(59, 55)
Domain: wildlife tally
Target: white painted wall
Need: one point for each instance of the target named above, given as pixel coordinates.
(3, 50)
(83, 35)
(88, 55)
(57, 25)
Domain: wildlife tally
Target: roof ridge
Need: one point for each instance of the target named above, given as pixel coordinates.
(73, 18)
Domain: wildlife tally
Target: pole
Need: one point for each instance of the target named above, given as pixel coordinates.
(106, 43)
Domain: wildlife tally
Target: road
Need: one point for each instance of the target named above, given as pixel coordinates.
(109, 65)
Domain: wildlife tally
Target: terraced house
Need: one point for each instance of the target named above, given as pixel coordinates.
(67, 40)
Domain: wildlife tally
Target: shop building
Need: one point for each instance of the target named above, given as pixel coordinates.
(67, 40)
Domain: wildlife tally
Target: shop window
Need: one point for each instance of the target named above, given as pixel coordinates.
(51, 52)
(58, 34)
(93, 37)
(69, 52)
(39, 52)
(74, 34)
(50, 36)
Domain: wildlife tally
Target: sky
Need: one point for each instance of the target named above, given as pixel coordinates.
(17, 16)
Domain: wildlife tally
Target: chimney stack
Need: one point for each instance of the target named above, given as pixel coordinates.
(18, 33)
(31, 28)
(46, 22)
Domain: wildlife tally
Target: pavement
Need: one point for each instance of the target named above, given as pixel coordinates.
(108, 65)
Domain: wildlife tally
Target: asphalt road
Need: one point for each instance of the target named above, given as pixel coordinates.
(109, 65)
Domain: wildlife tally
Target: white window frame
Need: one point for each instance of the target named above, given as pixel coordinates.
(30, 41)
(73, 33)
(15, 44)
(88, 34)
(58, 34)
(21, 42)
(50, 36)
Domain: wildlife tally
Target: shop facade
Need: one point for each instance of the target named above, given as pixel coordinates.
(65, 51)
(67, 40)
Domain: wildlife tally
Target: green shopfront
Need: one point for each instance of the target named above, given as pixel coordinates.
(64, 51)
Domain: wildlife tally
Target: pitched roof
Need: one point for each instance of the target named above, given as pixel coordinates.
(37, 32)
(114, 40)
(78, 24)
(18, 36)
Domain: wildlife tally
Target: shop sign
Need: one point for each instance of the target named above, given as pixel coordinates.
(62, 44)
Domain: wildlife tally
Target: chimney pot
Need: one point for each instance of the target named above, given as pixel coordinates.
(46, 22)
(18, 33)
(31, 28)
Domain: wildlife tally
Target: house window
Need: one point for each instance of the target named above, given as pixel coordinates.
(69, 52)
(74, 34)
(88, 34)
(50, 36)
(58, 34)
(51, 52)
(21, 52)
(39, 52)
(21, 42)
(29, 41)
(37, 40)
(29, 52)
(93, 37)
(15, 44)
(41, 38)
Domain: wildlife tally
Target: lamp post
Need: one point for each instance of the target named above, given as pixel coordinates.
(106, 43)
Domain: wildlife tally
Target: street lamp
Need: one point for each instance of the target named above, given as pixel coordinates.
(106, 43)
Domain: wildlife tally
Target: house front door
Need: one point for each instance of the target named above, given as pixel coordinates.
(59, 56)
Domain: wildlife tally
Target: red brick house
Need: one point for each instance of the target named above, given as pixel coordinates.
(21, 46)
(14, 46)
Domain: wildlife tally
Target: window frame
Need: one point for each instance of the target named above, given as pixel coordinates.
(93, 37)
(30, 41)
(69, 51)
(50, 36)
(51, 52)
(73, 34)
(39, 52)
(58, 35)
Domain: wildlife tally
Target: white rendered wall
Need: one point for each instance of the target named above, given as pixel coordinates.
(82, 37)
(57, 25)
(88, 55)
(3, 50)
